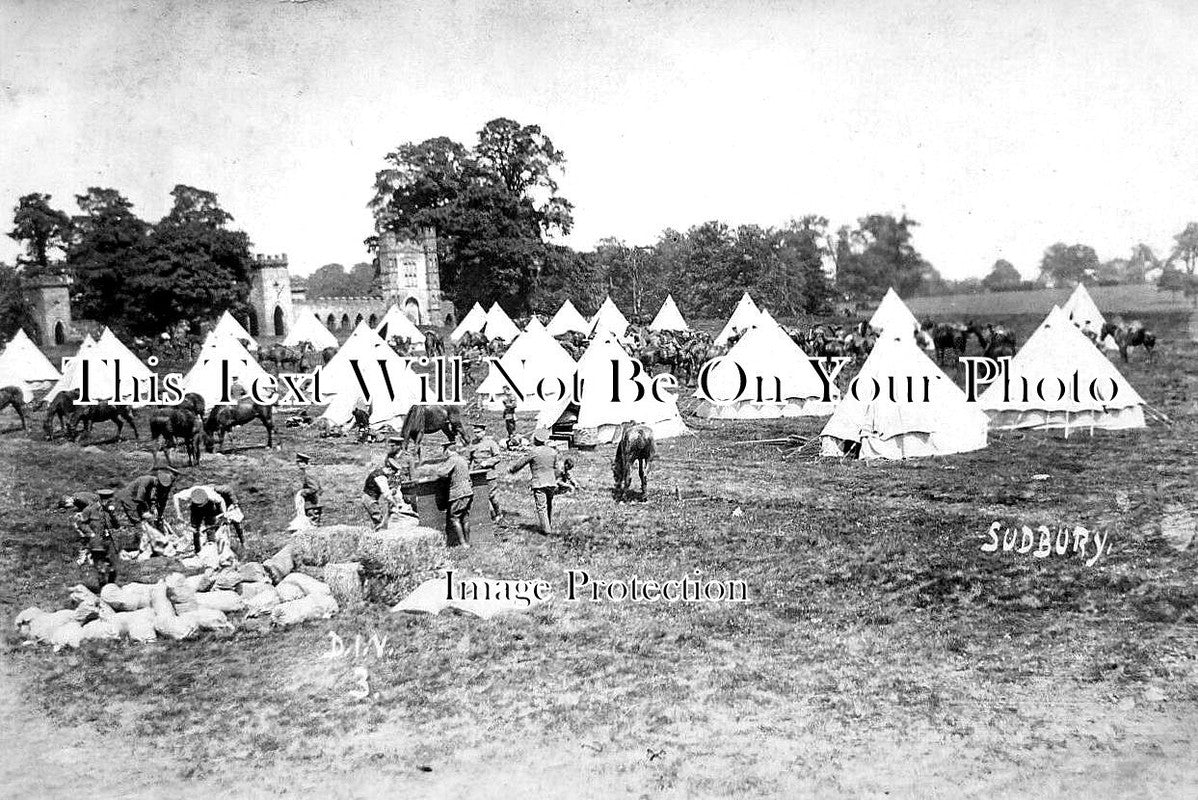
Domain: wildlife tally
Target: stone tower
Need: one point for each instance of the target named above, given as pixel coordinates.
(270, 297)
(410, 277)
(49, 297)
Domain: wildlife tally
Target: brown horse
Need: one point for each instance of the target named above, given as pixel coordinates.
(295, 358)
(178, 424)
(422, 419)
(89, 415)
(1129, 336)
(223, 419)
(635, 447)
(13, 396)
(62, 408)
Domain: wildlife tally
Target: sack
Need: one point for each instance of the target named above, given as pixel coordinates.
(208, 619)
(68, 634)
(280, 564)
(42, 625)
(82, 594)
(289, 590)
(224, 601)
(175, 627)
(87, 610)
(251, 590)
(25, 619)
(306, 583)
(317, 606)
(226, 579)
(129, 597)
(235, 514)
(180, 593)
(200, 583)
(100, 629)
(137, 625)
(252, 571)
(159, 602)
(262, 602)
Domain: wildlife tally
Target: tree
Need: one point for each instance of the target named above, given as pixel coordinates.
(1003, 277)
(1172, 279)
(109, 241)
(43, 230)
(1186, 250)
(567, 275)
(878, 254)
(493, 206)
(1063, 264)
(14, 307)
(332, 280)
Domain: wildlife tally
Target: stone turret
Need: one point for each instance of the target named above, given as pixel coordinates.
(50, 299)
(270, 296)
(409, 276)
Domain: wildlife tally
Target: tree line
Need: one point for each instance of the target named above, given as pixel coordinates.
(496, 207)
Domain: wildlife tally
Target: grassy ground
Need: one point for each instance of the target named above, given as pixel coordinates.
(882, 653)
(1129, 300)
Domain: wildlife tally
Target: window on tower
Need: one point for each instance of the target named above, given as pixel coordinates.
(409, 268)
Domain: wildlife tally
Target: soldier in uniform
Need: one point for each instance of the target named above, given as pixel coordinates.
(460, 495)
(485, 454)
(309, 489)
(97, 524)
(542, 462)
(509, 411)
(205, 505)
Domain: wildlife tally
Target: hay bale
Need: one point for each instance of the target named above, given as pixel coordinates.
(402, 552)
(345, 581)
(332, 543)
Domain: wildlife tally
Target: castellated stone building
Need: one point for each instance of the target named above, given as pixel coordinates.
(408, 277)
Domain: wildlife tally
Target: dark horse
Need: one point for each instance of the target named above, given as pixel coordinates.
(222, 419)
(1133, 335)
(13, 396)
(635, 447)
(62, 408)
(181, 423)
(103, 412)
(422, 419)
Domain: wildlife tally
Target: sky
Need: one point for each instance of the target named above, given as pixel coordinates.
(1001, 127)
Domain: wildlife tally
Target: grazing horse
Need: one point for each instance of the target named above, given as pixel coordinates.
(222, 419)
(62, 408)
(13, 396)
(89, 415)
(1133, 335)
(1000, 343)
(173, 425)
(422, 419)
(635, 447)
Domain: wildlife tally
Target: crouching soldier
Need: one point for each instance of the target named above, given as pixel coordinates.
(309, 489)
(142, 501)
(97, 524)
(205, 506)
(75, 504)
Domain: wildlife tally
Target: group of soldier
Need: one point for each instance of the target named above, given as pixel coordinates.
(132, 518)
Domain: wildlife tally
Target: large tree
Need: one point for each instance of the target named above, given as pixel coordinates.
(494, 207)
(1064, 263)
(109, 243)
(1003, 277)
(877, 255)
(14, 308)
(332, 280)
(42, 229)
(1185, 253)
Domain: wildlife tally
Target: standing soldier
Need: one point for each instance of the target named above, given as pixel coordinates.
(460, 496)
(309, 489)
(509, 411)
(96, 525)
(542, 461)
(485, 454)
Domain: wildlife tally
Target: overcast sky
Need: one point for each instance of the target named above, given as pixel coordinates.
(1001, 126)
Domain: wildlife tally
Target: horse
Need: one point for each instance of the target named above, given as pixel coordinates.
(222, 419)
(1000, 343)
(422, 419)
(1132, 335)
(947, 336)
(13, 396)
(282, 356)
(434, 345)
(103, 411)
(180, 423)
(635, 447)
(62, 408)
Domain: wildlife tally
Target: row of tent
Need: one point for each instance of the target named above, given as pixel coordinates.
(765, 355)
(494, 323)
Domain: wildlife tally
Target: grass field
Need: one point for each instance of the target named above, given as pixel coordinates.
(882, 653)
(1127, 300)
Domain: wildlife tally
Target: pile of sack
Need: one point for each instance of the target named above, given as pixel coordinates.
(179, 607)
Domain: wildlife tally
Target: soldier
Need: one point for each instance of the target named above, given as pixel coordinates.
(509, 411)
(75, 504)
(460, 495)
(484, 454)
(378, 492)
(144, 498)
(309, 489)
(97, 524)
(542, 461)
(205, 506)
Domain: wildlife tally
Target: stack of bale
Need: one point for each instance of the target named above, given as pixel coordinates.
(179, 607)
(342, 554)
